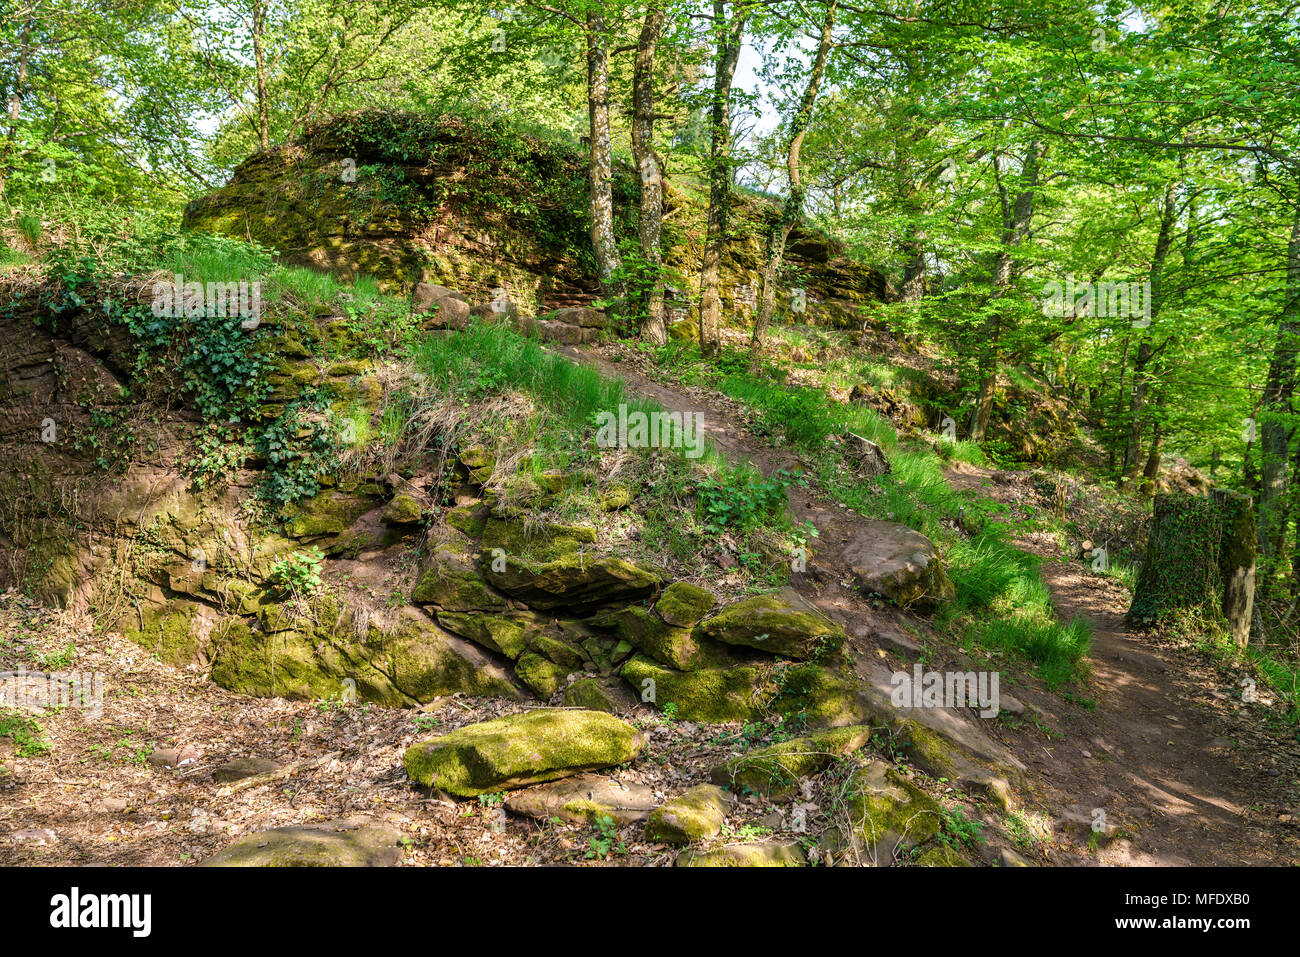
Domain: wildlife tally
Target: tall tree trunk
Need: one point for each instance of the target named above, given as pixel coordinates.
(792, 210)
(728, 33)
(16, 98)
(600, 165)
(259, 61)
(1275, 425)
(650, 224)
(1141, 371)
(1016, 218)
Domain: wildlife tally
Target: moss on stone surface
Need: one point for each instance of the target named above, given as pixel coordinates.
(497, 633)
(521, 749)
(455, 589)
(540, 674)
(882, 804)
(169, 634)
(589, 693)
(782, 623)
(683, 604)
(744, 855)
(712, 695)
(774, 771)
(695, 815)
(676, 647)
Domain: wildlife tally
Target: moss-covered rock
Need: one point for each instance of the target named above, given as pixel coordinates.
(584, 799)
(676, 647)
(592, 694)
(885, 810)
(500, 633)
(695, 815)
(402, 510)
(549, 566)
(168, 632)
(782, 623)
(774, 771)
(545, 677)
(452, 585)
(712, 695)
(941, 856)
(527, 748)
(744, 855)
(683, 604)
(313, 846)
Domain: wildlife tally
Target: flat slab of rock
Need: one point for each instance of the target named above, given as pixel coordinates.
(317, 845)
(521, 749)
(241, 768)
(583, 799)
(901, 564)
(744, 855)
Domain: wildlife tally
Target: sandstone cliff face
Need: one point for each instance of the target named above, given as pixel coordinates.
(411, 198)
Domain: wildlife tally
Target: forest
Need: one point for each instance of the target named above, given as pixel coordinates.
(711, 433)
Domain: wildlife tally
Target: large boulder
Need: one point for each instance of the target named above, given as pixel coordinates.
(898, 563)
(782, 623)
(522, 749)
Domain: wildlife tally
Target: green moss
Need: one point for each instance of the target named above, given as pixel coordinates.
(402, 510)
(453, 589)
(775, 770)
(782, 623)
(941, 856)
(589, 693)
(695, 815)
(684, 604)
(543, 676)
(494, 632)
(169, 633)
(880, 802)
(713, 695)
(676, 647)
(521, 749)
(468, 519)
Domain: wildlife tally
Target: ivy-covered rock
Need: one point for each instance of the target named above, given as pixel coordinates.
(695, 815)
(522, 749)
(782, 623)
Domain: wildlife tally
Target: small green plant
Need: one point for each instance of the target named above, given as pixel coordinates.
(24, 732)
(298, 573)
(958, 829)
(606, 840)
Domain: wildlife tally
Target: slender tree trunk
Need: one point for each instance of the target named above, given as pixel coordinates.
(1141, 372)
(600, 166)
(650, 224)
(792, 209)
(16, 99)
(1275, 425)
(1016, 219)
(259, 60)
(728, 32)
